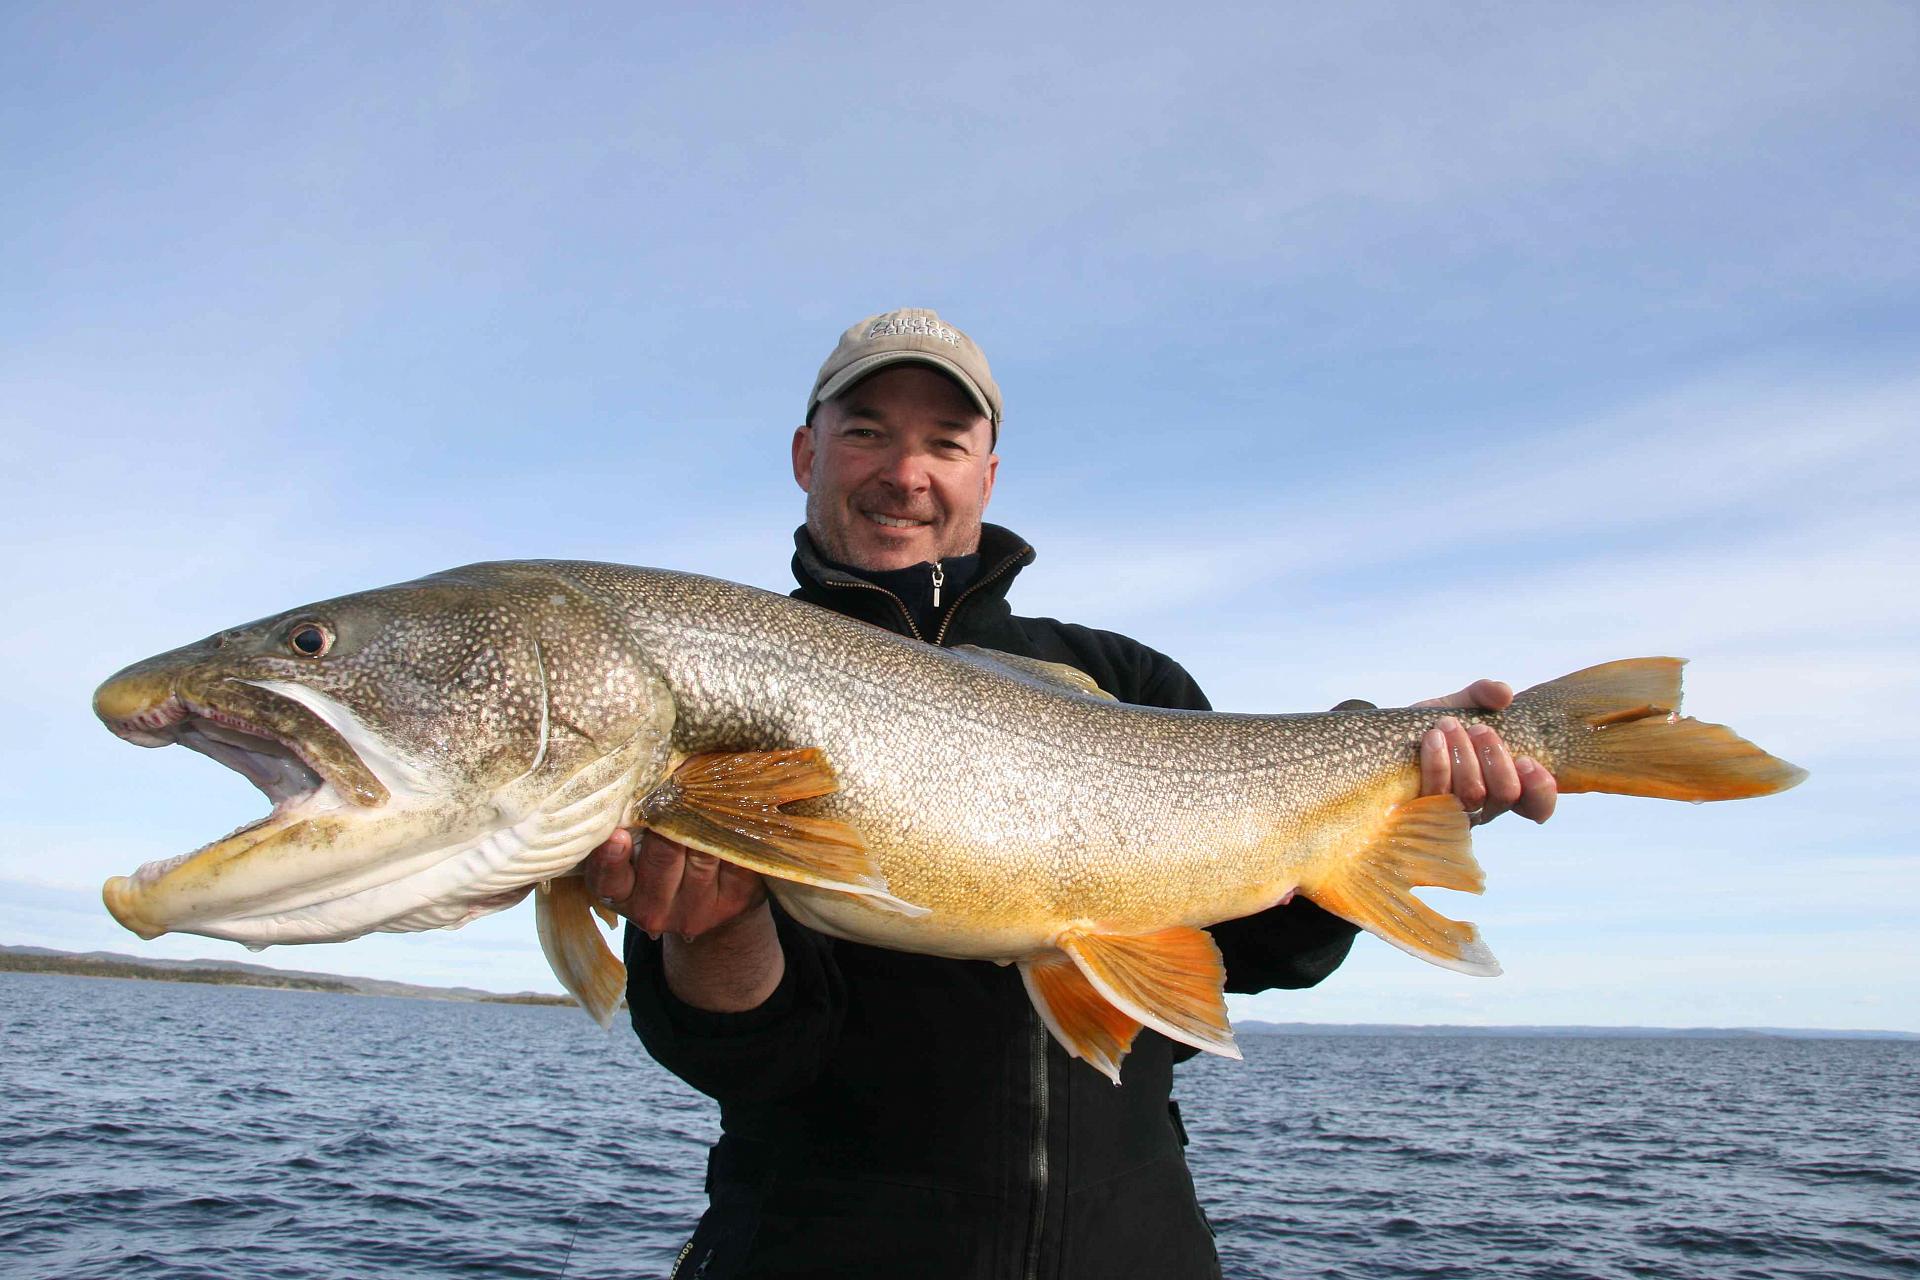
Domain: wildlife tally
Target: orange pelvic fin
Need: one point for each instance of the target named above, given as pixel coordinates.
(1421, 842)
(1081, 1019)
(728, 804)
(1635, 743)
(586, 966)
(1172, 980)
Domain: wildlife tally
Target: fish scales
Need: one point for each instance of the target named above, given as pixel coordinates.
(1015, 808)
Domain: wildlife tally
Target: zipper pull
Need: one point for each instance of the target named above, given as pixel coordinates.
(939, 578)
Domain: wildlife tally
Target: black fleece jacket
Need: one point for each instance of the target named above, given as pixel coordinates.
(887, 1114)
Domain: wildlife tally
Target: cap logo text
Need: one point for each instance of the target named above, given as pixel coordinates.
(915, 326)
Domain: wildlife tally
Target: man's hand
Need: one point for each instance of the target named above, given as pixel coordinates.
(666, 887)
(722, 953)
(1471, 762)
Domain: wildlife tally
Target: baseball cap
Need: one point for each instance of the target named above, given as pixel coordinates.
(910, 335)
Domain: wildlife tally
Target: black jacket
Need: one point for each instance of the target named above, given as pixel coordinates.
(891, 1115)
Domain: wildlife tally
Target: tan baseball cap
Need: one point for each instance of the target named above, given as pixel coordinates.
(909, 335)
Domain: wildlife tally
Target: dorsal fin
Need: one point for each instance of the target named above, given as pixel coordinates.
(1057, 674)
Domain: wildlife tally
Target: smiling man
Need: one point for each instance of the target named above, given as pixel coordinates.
(887, 1114)
(894, 460)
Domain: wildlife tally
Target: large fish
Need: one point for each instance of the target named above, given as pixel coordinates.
(436, 749)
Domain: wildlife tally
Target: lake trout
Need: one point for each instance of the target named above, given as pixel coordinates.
(435, 750)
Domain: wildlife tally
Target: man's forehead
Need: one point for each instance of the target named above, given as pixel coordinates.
(873, 395)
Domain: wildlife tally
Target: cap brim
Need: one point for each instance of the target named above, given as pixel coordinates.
(868, 365)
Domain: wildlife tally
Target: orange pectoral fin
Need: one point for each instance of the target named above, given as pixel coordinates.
(728, 804)
(1081, 1019)
(1172, 980)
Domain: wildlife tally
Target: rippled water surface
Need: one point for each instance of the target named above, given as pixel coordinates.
(155, 1129)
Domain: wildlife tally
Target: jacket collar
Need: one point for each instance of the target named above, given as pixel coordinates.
(1003, 554)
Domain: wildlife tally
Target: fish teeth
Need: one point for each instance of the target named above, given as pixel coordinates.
(151, 871)
(147, 726)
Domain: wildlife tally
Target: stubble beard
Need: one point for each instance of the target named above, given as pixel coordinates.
(832, 541)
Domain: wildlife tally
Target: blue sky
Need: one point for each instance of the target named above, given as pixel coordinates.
(1348, 351)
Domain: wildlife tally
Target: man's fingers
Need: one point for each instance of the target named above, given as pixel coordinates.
(732, 892)
(665, 887)
(609, 869)
(1486, 695)
(693, 906)
(1489, 695)
(1497, 773)
(1465, 760)
(1436, 764)
(657, 868)
(739, 889)
(1538, 790)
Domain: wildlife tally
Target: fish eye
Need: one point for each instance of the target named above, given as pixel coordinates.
(310, 639)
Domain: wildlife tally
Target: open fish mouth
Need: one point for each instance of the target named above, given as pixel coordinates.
(273, 764)
(303, 767)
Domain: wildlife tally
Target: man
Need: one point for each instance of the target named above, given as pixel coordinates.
(887, 1114)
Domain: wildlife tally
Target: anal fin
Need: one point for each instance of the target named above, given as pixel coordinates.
(1172, 980)
(1085, 1022)
(563, 912)
(728, 804)
(1424, 841)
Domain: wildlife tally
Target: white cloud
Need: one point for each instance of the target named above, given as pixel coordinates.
(1735, 457)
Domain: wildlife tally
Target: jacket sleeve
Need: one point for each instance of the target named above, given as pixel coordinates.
(752, 1056)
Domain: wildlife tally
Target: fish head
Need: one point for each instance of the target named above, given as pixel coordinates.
(431, 750)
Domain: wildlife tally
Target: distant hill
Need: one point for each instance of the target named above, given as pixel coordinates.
(115, 964)
(1658, 1033)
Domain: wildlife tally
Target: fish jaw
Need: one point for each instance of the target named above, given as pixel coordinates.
(304, 766)
(320, 870)
(349, 812)
(292, 877)
(188, 893)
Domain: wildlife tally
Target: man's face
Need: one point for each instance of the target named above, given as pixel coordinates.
(897, 469)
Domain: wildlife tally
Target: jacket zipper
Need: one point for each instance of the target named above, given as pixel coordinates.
(1037, 1157)
(905, 616)
(939, 580)
(940, 638)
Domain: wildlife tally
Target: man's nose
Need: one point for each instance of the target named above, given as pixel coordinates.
(905, 469)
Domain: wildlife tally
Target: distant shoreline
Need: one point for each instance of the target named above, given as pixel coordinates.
(110, 964)
(234, 974)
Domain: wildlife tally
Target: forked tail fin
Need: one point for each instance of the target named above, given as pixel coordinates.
(1617, 728)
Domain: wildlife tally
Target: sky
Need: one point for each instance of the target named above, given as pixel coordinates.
(1348, 351)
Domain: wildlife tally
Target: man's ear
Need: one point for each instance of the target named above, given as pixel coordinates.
(803, 457)
(986, 487)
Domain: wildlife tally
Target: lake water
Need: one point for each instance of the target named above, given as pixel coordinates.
(152, 1129)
